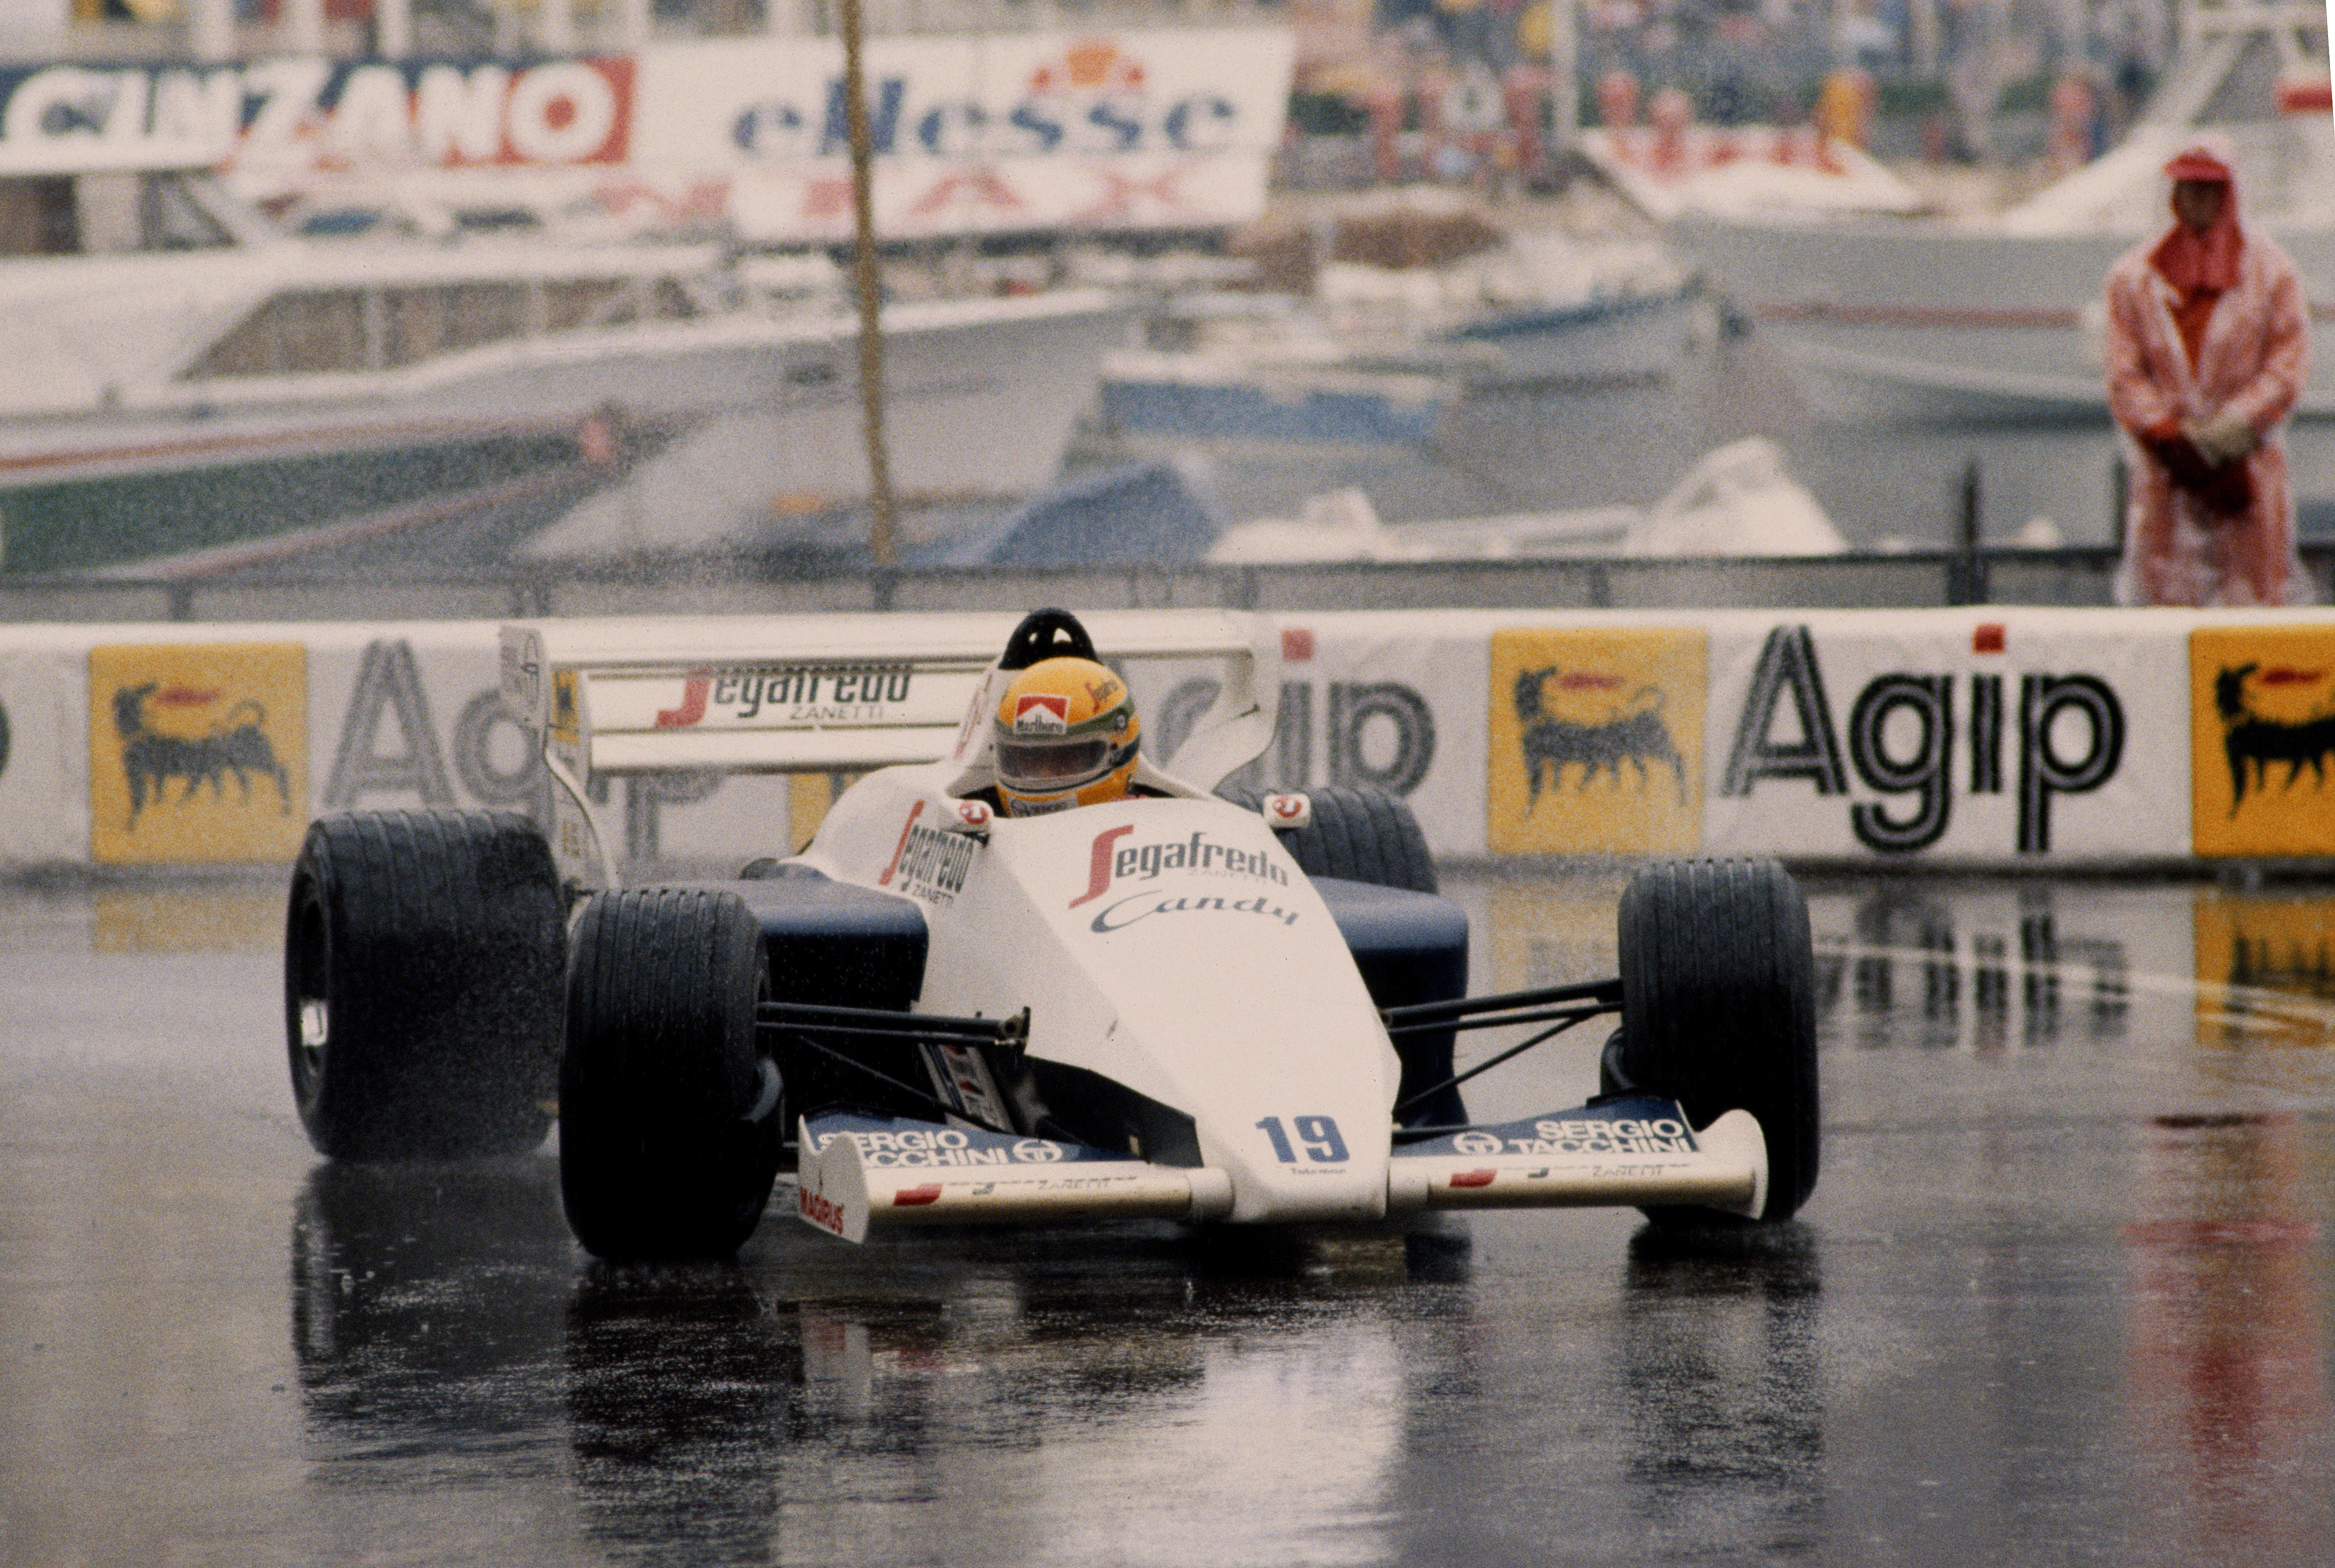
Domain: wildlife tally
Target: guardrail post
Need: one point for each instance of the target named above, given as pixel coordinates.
(2119, 499)
(1966, 570)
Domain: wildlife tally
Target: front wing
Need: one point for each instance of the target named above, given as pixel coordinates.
(1637, 1150)
(859, 1173)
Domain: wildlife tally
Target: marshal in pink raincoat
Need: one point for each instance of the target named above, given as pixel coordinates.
(2208, 344)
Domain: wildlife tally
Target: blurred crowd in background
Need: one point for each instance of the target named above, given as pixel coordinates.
(2000, 83)
(1990, 81)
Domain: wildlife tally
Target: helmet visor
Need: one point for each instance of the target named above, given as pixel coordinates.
(1051, 763)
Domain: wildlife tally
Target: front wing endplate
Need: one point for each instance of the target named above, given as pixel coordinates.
(1637, 1150)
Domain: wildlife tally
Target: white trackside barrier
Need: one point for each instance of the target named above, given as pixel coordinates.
(1980, 736)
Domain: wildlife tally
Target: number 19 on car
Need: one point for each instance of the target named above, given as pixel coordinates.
(1317, 1134)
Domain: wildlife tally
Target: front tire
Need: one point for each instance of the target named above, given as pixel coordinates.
(421, 971)
(1719, 1012)
(662, 1073)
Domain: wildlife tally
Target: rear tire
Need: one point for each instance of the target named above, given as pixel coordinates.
(1719, 1012)
(421, 973)
(1358, 836)
(657, 1158)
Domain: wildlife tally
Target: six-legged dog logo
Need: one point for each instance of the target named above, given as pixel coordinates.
(235, 744)
(1632, 731)
(2253, 740)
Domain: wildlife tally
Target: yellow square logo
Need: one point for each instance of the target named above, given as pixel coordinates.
(198, 752)
(1596, 741)
(2262, 717)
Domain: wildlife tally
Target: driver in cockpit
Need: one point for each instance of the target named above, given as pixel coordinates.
(1066, 734)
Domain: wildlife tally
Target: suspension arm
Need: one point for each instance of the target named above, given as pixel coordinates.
(876, 1023)
(1605, 993)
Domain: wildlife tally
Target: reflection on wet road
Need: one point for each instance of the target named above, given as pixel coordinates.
(2063, 1295)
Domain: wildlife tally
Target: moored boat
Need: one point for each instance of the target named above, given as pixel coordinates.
(185, 376)
(1893, 318)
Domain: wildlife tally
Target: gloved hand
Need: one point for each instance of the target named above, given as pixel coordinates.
(2222, 437)
(2170, 444)
(2225, 489)
(2228, 491)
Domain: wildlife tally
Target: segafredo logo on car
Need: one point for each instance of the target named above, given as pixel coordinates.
(1112, 863)
(929, 863)
(807, 695)
(1113, 866)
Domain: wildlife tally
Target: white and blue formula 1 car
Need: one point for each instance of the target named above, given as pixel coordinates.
(1179, 1004)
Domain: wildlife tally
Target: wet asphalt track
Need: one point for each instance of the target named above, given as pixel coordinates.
(2062, 1296)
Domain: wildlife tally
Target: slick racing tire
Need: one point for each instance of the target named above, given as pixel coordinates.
(1719, 1012)
(1357, 834)
(423, 954)
(670, 1124)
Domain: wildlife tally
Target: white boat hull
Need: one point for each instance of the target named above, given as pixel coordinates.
(1903, 322)
(1634, 339)
(980, 398)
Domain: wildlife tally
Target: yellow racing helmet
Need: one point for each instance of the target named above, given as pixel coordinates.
(1066, 735)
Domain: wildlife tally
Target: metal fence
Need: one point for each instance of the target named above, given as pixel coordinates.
(1915, 579)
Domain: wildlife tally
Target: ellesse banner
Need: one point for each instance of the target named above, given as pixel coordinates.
(1108, 129)
(982, 99)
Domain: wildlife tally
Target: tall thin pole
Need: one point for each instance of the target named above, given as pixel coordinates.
(392, 28)
(1564, 82)
(303, 27)
(213, 29)
(555, 23)
(871, 339)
